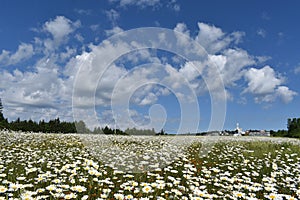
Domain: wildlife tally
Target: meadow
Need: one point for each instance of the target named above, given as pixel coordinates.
(73, 166)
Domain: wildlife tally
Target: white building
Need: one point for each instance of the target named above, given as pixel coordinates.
(239, 130)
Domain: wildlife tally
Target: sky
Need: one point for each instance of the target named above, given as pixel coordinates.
(184, 66)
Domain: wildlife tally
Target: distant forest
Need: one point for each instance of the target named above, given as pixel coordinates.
(293, 126)
(57, 126)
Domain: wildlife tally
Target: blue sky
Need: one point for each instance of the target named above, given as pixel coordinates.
(51, 55)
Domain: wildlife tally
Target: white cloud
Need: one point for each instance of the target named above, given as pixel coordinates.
(297, 70)
(33, 91)
(174, 5)
(112, 15)
(149, 99)
(262, 81)
(266, 85)
(262, 59)
(236, 61)
(182, 28)
(140, 3)
(69, 52)
(83, 12)
(49, 86)
(214, 40)
(285, 94)
(261, 32)
(79, 37)
(4, 56)
(113, 31)
(224, 70)
(24, 52)
(191, 70)
(60, 28)
(210, 38)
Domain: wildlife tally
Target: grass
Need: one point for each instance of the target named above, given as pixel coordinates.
(54, 166)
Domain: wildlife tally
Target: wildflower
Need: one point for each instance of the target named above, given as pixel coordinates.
(147, 189)
(70, 196)
(78, 188)
(146, 157)
(272, 196)
(51, 188)
(85, 197)
(119, 196)
(14, 186)
(129, 196)
(239, 194)
(134, 183)
(106, 190)
(21, 178)
(2, 189)
(40, 190)
(56, 181)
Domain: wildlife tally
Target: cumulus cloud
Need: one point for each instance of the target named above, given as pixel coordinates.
(149, 99)
(174, 5)
(266, 85)
(182, 28)
(32, 91)
(262, 81)
(140, 3)
(232, 64)
(68, 53)
(113, 31)
(285, 94)
(100, 80)
(112, 15)
(59, 28)
(24, 52)
(213, 39)
(236, 61)
(43, 91)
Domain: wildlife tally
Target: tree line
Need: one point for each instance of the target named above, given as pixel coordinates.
(293, 129)
(58, 126)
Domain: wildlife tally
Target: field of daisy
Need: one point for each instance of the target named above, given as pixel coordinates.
(73, 166)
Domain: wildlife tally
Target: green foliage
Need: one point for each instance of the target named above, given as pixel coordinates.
(279, 133)
(3, 121)
(162, 132)
(294, 127)
(1, 114)
(134, 131)
(53, 126)
(81, 127)
(108, 131)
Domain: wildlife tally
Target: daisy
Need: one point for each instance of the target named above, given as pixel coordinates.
(119, 196)
(2, 189)
(147, 189)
